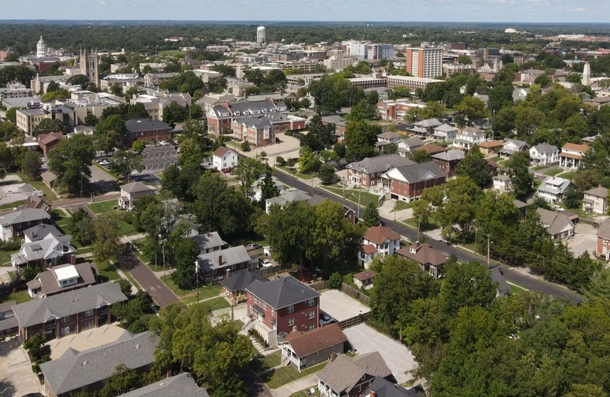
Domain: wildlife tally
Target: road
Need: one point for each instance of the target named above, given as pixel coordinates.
(146, 278)
(510, 275)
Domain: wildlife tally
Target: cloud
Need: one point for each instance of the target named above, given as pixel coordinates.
(103, 3)
(577, 9)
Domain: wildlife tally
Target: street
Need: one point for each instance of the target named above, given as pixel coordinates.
(510, 275)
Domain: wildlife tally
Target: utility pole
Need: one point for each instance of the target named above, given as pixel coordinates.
(359, 190)
(197, 278)
(488, 250)
(418, 227)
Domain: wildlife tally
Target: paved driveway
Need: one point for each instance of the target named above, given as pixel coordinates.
(158, 158)
(160, 293)
(287, 147)
(396, 355)
(16, 376)
(585, 239)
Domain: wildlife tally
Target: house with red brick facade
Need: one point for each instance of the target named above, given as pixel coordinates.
(222, 118)
(256, 131)
(603, 240)
(408, 182)
(367, 173)
(448, 161)
(145, 130)
(282, 306)
(46, 142)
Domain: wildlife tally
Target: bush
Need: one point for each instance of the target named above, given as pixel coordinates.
(245, 146)
(292, 162)
(280, 161)
(12, 245)
(125, 286)
(254, 333)
(289, 133)
(335, 280)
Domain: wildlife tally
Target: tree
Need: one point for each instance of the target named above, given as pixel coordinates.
(340, 149)
(599, 286)
(245, 146)
(106, 245)
(137, 111)
(49, 125)
(571, 198)
(371, 216)
(32, 164)
(175, 113)
(125, 286)
(522, 180)
(184, 252)
(475, 167)
(422, 211)
(79, 79)
(420, 156)
(80, 226)
(327, 174)
(543, 80)
(527, 119)
(91, 120)
(308, 162)
(268, 187)
(114, 122)
(123, 380)
(53, 86)
(116, 89)
(59, 94)
(132, 310)
(433, 110)
(464, 60)
(466, 285)
(335, 281)
(11, 115)
(585, 180)
(503, 121)
(472, 108)
(360, 139)
(70, 160)
(138, 146)
(125, 162)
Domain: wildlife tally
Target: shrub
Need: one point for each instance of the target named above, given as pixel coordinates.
(280, 161)
(289, 133)
(245, 146)
(335, 280)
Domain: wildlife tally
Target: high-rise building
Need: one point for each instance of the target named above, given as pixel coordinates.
(586, 74)
(379, 51)
(41, 48)
(424, 62)
(88, 65)
(260, 35)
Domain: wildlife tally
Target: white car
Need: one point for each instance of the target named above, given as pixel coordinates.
(326, 320)
(104, 162)
(266, 263)
(163, 143)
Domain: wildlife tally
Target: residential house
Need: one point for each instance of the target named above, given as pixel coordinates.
(351, 376)
(493, 167)
(258, 184)
(235, 286)
(378, 240)
(603, 240)
(8, 322)
(448, 161)
(255, 131)
(88, 370)
(558, 225)
(37, 202)
(364, 279)
(60, 279)
(571, 155)
(409, 145)
(519, 94)
(512, 146)
(521, 206)
(131, 192)
(209, 242)
(596, 200)
(45, 246)
(181, 385)
(304, 349)
(367, 173)
(468, 137)
(408, 182)
(544, 154)
(432, 149)
(68, 313)
(425, 127)
(48, 141)
(287, 196)
(502, 183)
(552, 189)
(15, 223)
(384, 388)
(282, 306)
(429, 259)
(218, 265)
(389, 137)
(49, 179)
(490, 147)
(445, 133)
(146, 130)
(224, 159)
(222, 118)
(339, 123)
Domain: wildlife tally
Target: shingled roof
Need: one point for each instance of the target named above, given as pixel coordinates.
(309, 342)
(343, 373)
(282, 292)
(181, 385)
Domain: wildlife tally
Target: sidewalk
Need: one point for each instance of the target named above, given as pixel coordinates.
(296, 386)
(386, 211)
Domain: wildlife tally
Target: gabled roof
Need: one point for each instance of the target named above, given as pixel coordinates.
(288, 196)
(555, 222)
(181, 385)
(135, 187)
(138, 125)
(389, 135)
(343, 373)
(379, 234)
(221, 151)
(604, 229)
(208, 240)
(374, 165)
(365, 275)
(239, 281)
(491, 144)
(598, 192)
(445, 128)
(432, 149)
(428, 123)
(548, 185)
(40, 232)
(220, 259)
(25, 215)
(450, 155)
(519, 144)
(415, 172)
(368, 248)
(45, 139)
(546, 148)
(258, 123)
(575, 147)
(385, 388)
(424, 254)
(305, 343)
(37, 311)
(412, 142)
(282, 292)
(75, 370)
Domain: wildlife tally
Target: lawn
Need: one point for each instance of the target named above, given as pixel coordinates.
(402, 205)
(554, 172)
(19, 297)
(84, 250)
(366, 198)
(108, 271)
(496, 159)
(10, 206)
(39, 185)
(60, 217)
(212, 304)
(261, 364)
(205, 291)
(294, 172)
(172, 52)
(5, 257)
(424, 227)
(305, 393)
(540, 167)
(102, 206)
(284, 375)
(127, 229)
(516, 290)
(569, 175)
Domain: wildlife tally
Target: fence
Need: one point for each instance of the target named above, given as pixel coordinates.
(266, 271)
(589, 222)
(319, 286)
(354, 293)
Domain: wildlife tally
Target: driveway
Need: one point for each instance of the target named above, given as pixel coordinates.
(16, 376)
(160, 293)
(585, 239)
(158, 158)
(396, 355)
(288, 147)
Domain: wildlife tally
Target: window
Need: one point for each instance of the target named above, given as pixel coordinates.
(290, 321)
(290, 309)
(310, 327)
(65, 320)
(89, 313)
(311, 315)
(65, 330)
(88, 323)
(311, 302)
(605, 241)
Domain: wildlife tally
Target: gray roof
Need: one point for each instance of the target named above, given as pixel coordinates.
(288, 196)
(445, 128)
(450, 155)
(48, 176)
(555, 222)
(521, 145)
(561, 182)
(428, 123)
(413, 142)
(6, 307)
(48, 279)
(74, 370)
(135, 187)
(385, 388)
(138, 125)
(334, 119)
(282, 292)
(39, 232)
(8, 323)
(181, 385)
(604, 229)
(419, 172)
(252, 122)
(598, 192)
(41, 249)
(239, 281)
(501, 178)
(546, 148)
(223, 258)
(344, 373)
(208, 240)
(25, 215)
(389, 135)
(246, 108)
(63, 305)
(374, 165)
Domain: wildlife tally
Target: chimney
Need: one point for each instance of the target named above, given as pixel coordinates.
(372, 393)
(219, 260)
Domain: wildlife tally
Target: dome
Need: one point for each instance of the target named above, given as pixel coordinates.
(41, 41)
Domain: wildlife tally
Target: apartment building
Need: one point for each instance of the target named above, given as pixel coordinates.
(222, 117)
(412, 83)
(424, 62)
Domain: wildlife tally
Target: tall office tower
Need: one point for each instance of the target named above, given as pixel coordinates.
(424, 62)
(586, 74)
(260, 35)
(88, 65)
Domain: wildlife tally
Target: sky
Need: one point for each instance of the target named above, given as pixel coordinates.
(503, 11)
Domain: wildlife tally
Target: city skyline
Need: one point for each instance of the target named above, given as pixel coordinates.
(495, 11)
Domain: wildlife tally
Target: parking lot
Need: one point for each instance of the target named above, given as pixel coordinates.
(288, 147)
(158, 158)
(396, 355)
(16, 376)
(585, 239)
(340, 306)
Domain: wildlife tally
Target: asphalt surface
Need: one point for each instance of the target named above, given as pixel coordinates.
(160, 293)
(510, 275)
(254, 385)
(158, 158)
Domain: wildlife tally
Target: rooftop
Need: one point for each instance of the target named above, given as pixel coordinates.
(374, 165)
(181, 385)
(345, 372)
(223, 258)
(424, 254)
(305, 343)
(240, 281)
(379, 234)
(282, 292)
(135, 187)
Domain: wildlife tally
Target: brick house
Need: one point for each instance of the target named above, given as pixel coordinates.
(282, 306)
(408, 182)
(89, 369)
(351, 376)
(304, 349)
(222, 118)
(256, 131)
(146, 130)
(448, 161)
(603, 240)
(46, 142)
(218, 265)
(235, 286)
(378, 240)
(429, 259)
(15, 223)
(69, 313)
(367, 173)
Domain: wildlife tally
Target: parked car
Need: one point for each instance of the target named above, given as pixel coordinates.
(266, 263)
(326, 319)
(255, 246)
(104, 162)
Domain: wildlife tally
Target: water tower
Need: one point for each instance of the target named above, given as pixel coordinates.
(260, 35)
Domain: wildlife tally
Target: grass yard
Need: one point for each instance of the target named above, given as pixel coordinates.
(5, 257)
(424, 227)
(127, 229)
(39, 185)
(108, 271)
(516, 290)
(212, 304)
(261, 364)
(305, 393)
(537, 183)
(19, 297)
(569, 175)
(205, 291)
(10, 206)
(284, 375)
(294, 172)
(540, 167)
(102, 206)
(402, 205)
(366, 198)
(84, 250)
(554, 172)
(496, 159)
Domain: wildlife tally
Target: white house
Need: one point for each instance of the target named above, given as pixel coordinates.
(544, 154)
(224, 159)
(468, 137)
(409, 145)
(596, 200)
(512, 146)
(552, 189)
(445, 133)
(378, 240)
(571, 154)
(131, 192)
(502, 183)
(45, 245)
